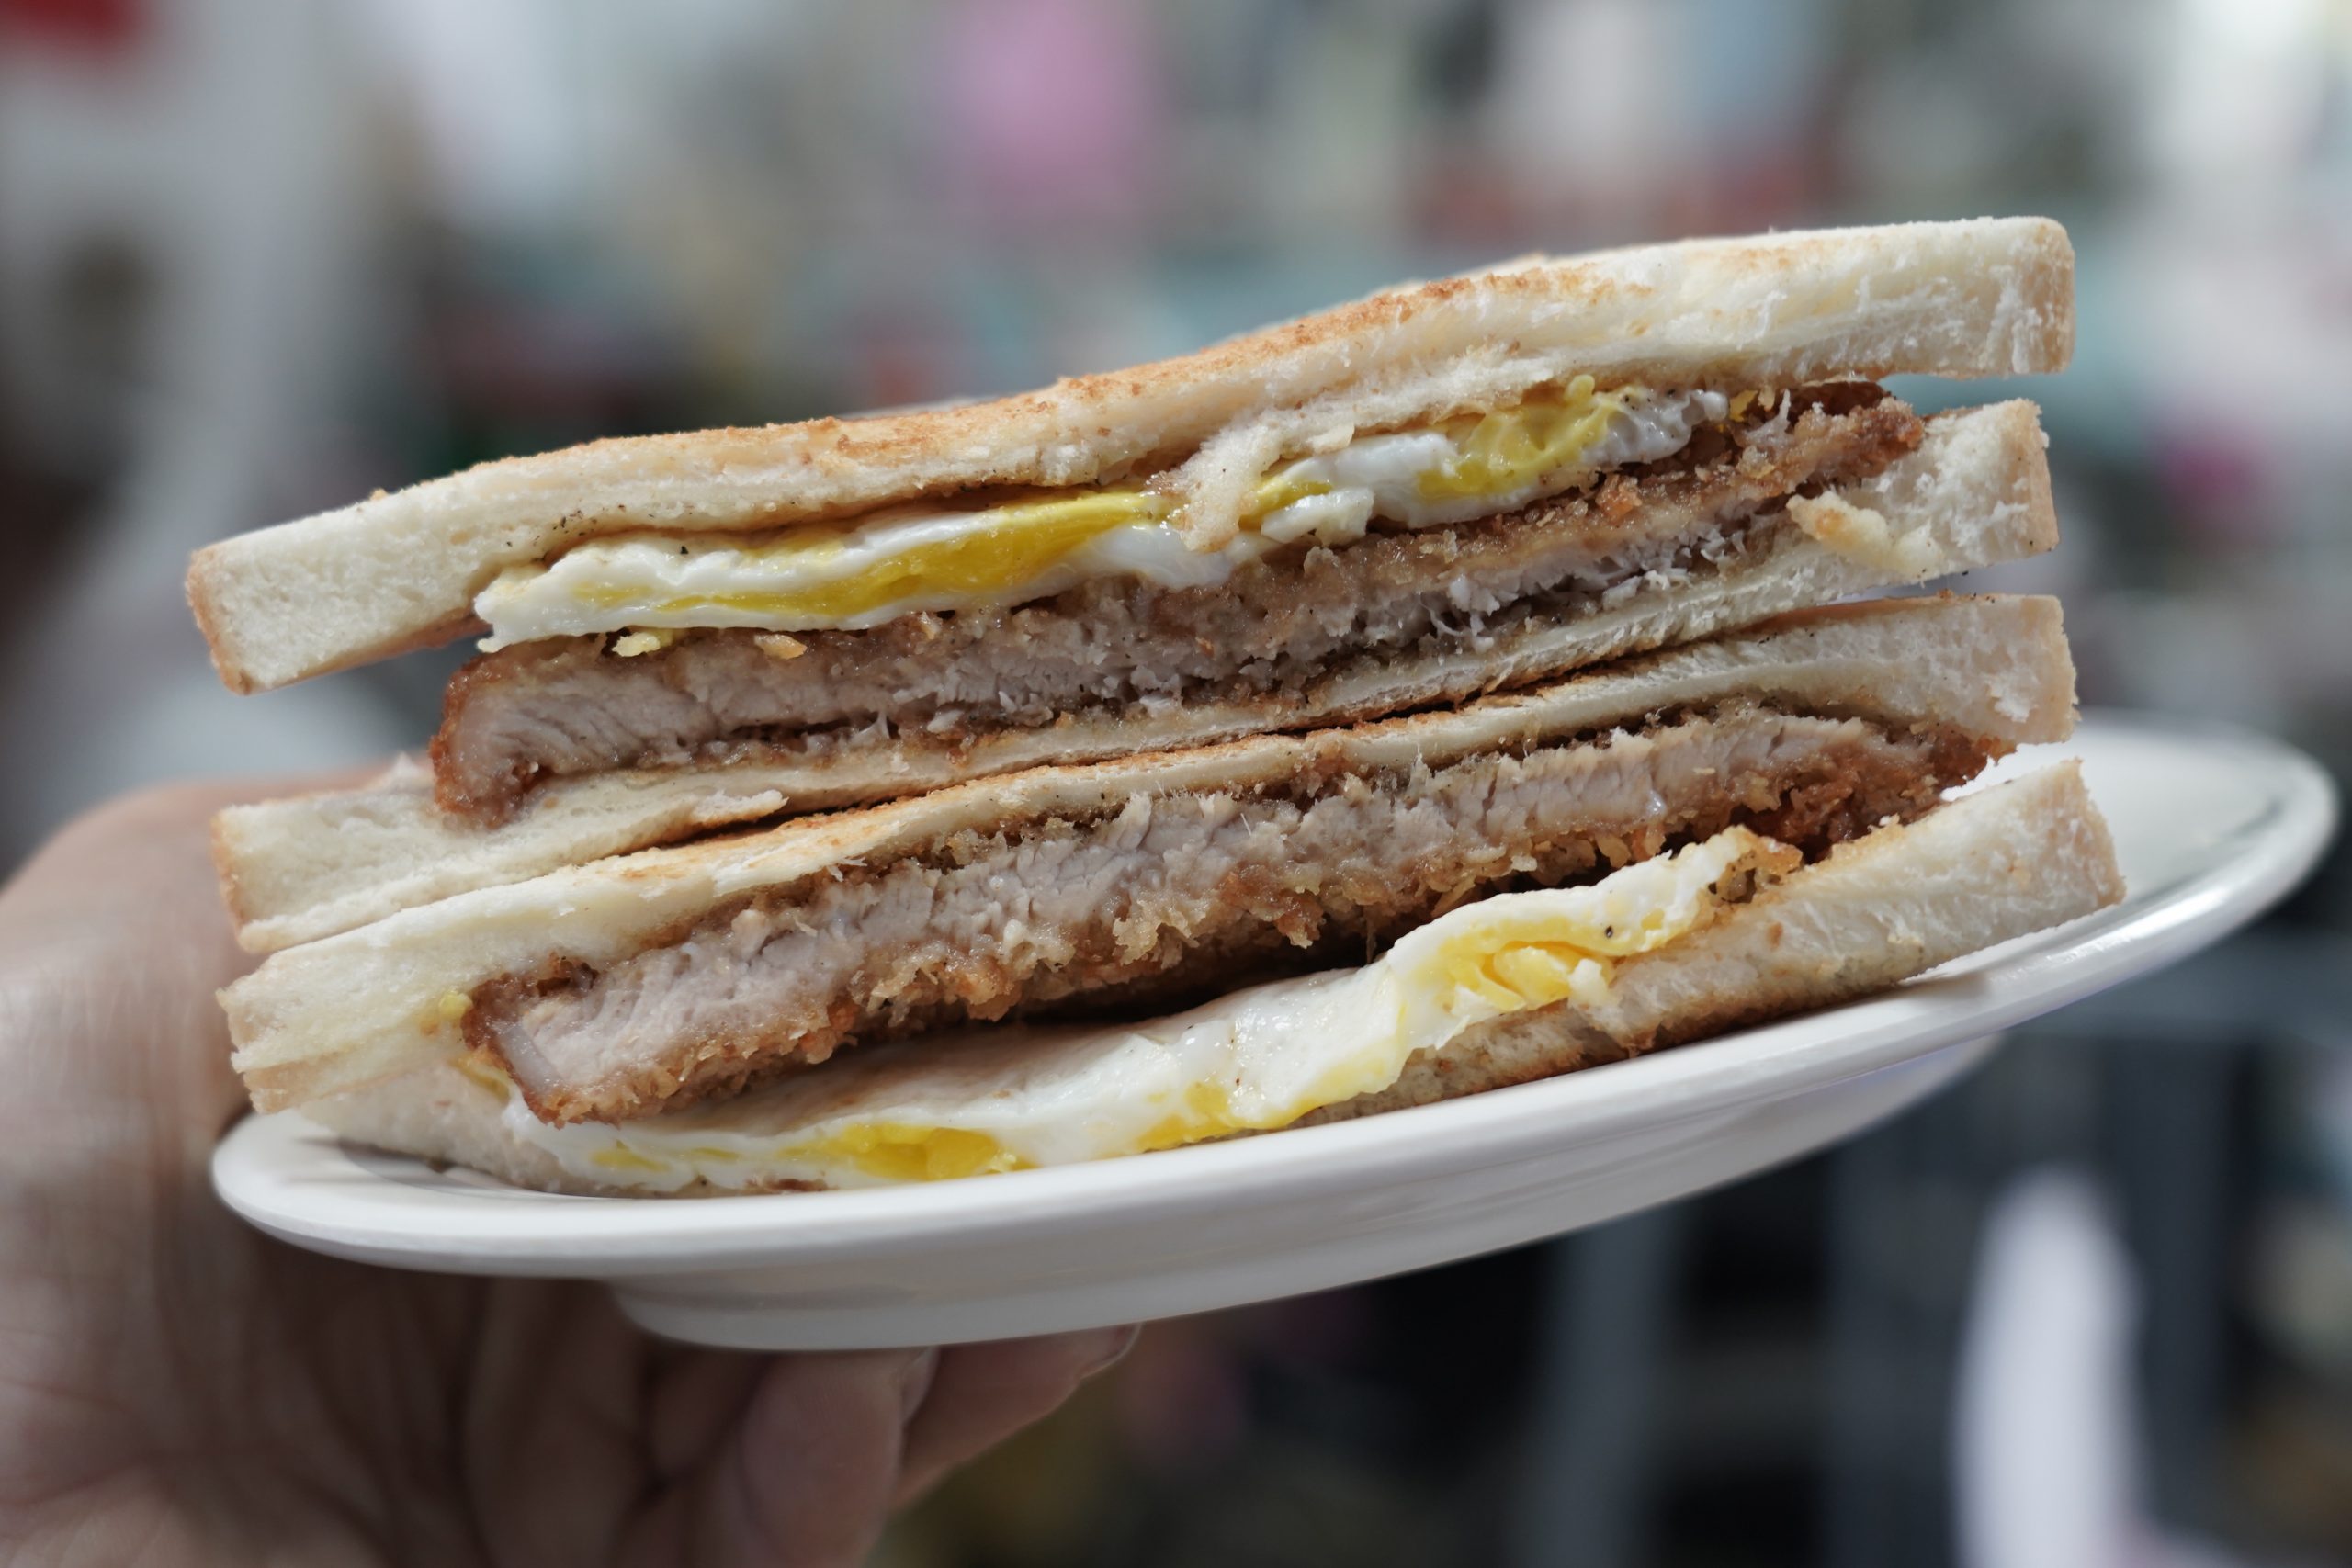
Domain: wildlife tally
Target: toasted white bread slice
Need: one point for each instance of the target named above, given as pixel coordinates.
(1976, 493)
(1978, 297)
(369, 1003)
(1985, 868)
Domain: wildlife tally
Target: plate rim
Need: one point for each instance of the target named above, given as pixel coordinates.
(256, 1166)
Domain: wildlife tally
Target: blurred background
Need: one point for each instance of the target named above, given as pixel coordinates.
(258, 257)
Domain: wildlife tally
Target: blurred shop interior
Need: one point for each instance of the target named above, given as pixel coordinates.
(259, 257)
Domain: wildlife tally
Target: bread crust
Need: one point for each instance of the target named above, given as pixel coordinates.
(1976, 297)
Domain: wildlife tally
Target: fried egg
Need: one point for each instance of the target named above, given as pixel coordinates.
(981, 1100)
(942, 556)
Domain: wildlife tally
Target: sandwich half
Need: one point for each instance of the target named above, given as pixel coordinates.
(635, 985)
(1733, 929)
(1444, 490)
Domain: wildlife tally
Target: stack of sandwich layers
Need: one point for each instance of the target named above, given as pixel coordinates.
(1450, 690)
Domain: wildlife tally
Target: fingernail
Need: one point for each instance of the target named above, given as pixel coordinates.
(1116, 1343)
(914, 1383)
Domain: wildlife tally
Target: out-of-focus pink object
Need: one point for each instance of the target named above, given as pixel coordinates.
(1048, 111)
(97, 27)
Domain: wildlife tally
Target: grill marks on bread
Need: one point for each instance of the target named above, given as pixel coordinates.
(565, 707)
(1173, 894)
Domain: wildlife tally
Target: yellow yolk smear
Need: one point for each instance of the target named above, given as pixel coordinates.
(982, 1101)
(944, 557)
(1022, 542)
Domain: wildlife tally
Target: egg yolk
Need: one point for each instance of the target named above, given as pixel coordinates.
(1524, 974)
(895, 1151)
(1511, 448)
(1207, 1114)
(1021, 541)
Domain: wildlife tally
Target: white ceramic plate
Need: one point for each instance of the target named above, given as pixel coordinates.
(2213, 826)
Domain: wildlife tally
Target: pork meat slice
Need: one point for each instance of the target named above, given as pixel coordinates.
(1173, 896)
(567, 707)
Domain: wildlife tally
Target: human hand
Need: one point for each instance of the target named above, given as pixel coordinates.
(177, 1388)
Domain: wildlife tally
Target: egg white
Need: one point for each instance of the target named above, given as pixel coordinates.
(1419, 478)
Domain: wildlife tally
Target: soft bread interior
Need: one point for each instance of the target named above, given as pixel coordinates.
(1993, 865)
(350, 1009)
(1977, 298)
(1976, 493)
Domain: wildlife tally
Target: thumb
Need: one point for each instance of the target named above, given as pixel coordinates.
(807, 1477)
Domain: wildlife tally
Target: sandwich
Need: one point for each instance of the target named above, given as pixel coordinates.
(1458, 688)
(1442, 491)
(1730, 930)
(684, 975)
